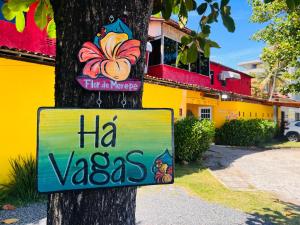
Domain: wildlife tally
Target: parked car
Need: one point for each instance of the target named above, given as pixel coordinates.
(292, 131)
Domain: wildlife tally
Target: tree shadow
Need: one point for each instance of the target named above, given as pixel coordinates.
(217, 157)
(220, 157)
(183, 170)
(291, 216)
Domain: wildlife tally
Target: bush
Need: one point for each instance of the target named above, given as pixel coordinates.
(22, 183)
(192, 138)
(245, 132)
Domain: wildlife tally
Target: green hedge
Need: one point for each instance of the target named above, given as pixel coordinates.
(245, 132)
(192, 138)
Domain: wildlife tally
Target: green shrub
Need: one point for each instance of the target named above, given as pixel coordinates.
(22, 181)
(192, 138)
(245, 132)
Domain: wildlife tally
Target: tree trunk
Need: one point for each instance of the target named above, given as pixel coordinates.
(78, 22)
(273, 87)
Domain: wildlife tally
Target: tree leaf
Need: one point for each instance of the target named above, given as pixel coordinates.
(203, 20)
(185, 40)
(202, 8)
(17, 5)
(227, 10)
(8, 207)
(213, 16)
(192, 53)
(213, 44)
(189, 5)
(40, 16)
(201, 42)
(206, 29)
(224, 3)
(157, 5)
(216, 5)
(51, 29)
(206, 50)
(176, 9)
(290, 4)
(10, 221)
(228, 23)
(20, 21)
(183, 57)
(183, 16)
(7, 13)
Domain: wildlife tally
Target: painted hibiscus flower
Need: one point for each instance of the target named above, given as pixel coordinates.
(113, 59)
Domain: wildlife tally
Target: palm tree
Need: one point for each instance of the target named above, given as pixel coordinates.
(270, 81)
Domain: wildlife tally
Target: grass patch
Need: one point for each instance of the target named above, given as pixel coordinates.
(276, 144)
(21, 188)
(201, 182)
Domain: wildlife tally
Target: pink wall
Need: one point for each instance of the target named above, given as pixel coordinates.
(242, 86)
(32, 39)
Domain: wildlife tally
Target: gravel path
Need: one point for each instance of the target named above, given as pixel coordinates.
(171, 205)
(26, 215)
(158, 205)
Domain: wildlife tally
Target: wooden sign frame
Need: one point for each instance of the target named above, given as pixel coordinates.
(159, 159)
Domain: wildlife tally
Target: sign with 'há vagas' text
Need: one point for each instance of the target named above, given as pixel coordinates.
(95, 148)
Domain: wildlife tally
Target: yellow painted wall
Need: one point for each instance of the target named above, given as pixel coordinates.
(223, 110)
(158, 96)
(242, 110)
(24, 87)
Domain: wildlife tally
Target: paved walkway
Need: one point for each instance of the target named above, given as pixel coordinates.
(158, 205)
(276, 171)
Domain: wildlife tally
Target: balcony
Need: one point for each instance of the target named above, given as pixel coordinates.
(238, 86)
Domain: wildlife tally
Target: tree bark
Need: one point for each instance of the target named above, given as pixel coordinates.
(78, 22)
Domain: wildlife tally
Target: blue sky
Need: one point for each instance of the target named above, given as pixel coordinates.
(235, 47)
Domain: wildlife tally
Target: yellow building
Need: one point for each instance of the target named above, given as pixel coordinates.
(26, 86)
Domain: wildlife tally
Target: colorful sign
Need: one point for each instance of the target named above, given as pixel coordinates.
(110, 58)
(97, 148)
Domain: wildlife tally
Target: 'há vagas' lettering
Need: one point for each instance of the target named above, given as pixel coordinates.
(109, 129)
(96, 170)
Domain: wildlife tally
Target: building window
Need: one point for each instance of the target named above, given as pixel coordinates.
(155, 56)
(205, 113)
(170, 51)
(253, 66)
(212, 77)
(297, 116)
(223, 83)
(171, 48)
(201, 65)
(204, 64)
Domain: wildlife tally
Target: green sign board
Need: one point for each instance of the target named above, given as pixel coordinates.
(96, 148)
